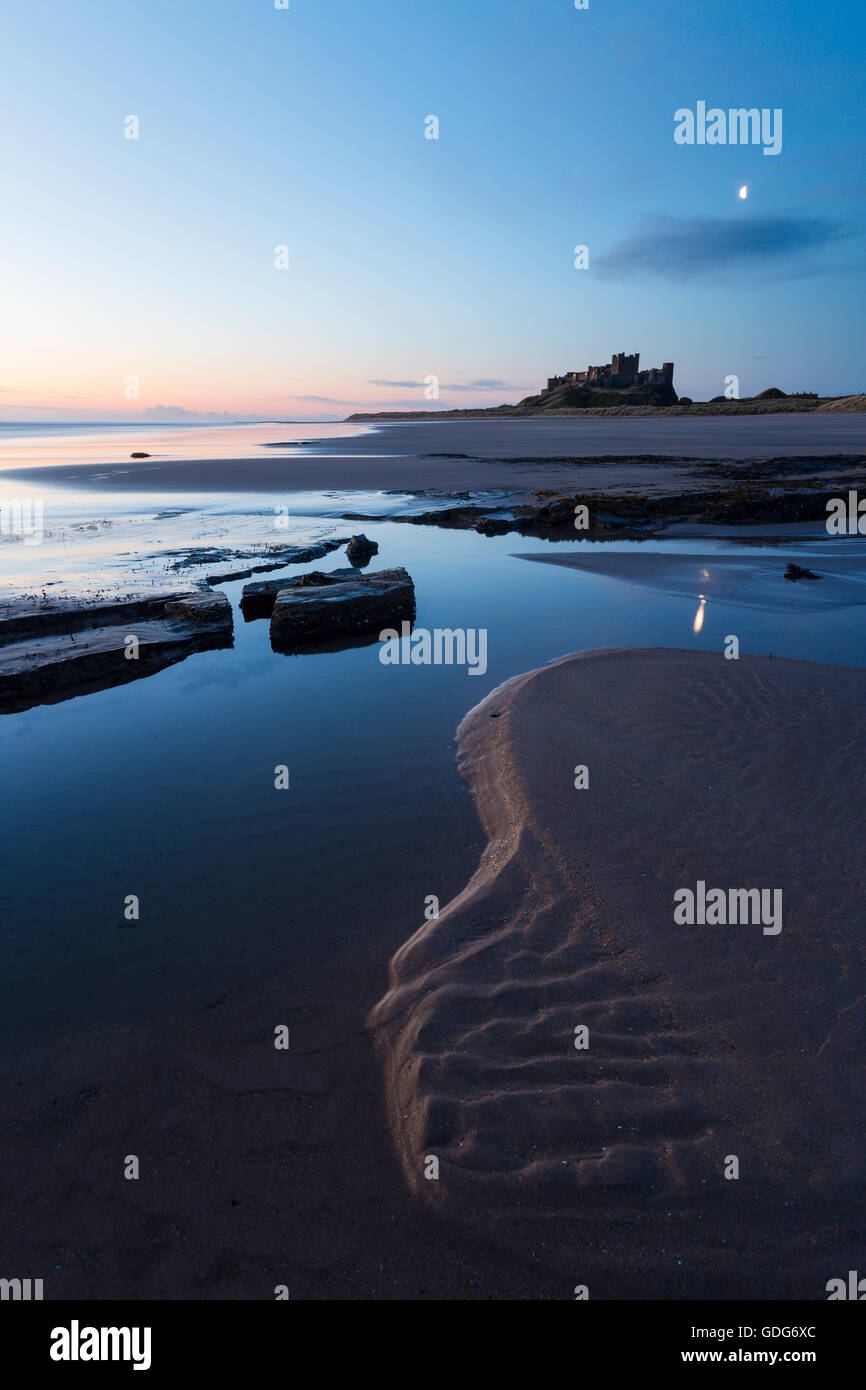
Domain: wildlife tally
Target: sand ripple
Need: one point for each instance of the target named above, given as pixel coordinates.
(704, 1041)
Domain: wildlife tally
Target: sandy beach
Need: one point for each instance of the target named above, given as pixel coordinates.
(518, 455)
(704, 1041)
(155, 1038)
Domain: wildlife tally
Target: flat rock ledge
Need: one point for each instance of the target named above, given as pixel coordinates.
(277, 558)
(258, 598)
(318, 607)
(64, 652)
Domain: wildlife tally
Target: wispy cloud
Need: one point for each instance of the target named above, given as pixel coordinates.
(482, 384)
(678, 247)
(322, 400)
(176, 414)
(64, 395)
(403, 385)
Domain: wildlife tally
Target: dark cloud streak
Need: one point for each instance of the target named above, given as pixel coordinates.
(681, 247)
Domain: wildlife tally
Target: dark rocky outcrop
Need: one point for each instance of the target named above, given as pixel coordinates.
(277, 558)
(29, 618)
(258, 599)
(586, 398)
(69, 651)
(795, 572)
(340, 605)
(763, 492)
(202, 607)
(361, 550)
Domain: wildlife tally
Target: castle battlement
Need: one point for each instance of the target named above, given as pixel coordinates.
(619, 374)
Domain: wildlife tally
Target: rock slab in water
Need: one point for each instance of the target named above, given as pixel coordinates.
(795, 572)
(202, 607)
(258, 598)
(50, 664)
(28, 618)
(361, 550)
(311, 612)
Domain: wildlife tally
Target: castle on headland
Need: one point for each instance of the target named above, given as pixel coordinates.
(618, 375)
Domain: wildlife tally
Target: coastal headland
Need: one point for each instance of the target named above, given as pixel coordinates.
(623, 408)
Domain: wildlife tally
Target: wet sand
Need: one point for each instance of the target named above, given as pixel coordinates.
(744, 578)
(258, 1167)
(706, 1042)
(517, 455)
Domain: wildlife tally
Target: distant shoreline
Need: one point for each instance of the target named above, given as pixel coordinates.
(787, 406)
(517, 459)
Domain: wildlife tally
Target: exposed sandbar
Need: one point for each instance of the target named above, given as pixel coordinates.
(748, 578)
(705, 1042)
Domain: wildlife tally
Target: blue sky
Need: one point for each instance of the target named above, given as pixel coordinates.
(153, 258)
